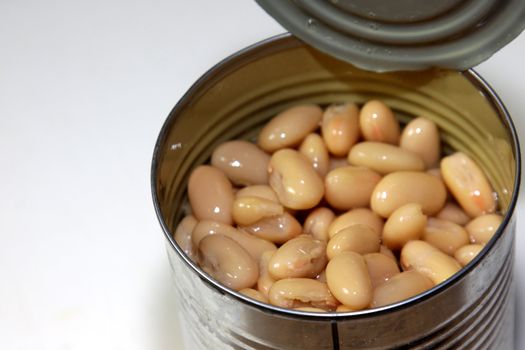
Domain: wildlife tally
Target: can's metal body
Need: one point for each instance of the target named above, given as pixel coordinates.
(472, 310)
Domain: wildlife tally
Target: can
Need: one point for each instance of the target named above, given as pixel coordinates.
(474, 309)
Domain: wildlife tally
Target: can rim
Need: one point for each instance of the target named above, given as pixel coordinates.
(288, 40)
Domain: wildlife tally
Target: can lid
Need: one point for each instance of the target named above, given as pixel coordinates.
(383, 35)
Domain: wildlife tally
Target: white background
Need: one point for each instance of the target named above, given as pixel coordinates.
(84, 89)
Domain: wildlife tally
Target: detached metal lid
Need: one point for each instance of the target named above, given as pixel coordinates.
(386, 35)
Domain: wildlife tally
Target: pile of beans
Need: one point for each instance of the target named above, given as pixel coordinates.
(337, 210)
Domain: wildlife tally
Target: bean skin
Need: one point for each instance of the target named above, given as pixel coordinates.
(227, 262)
(401, 287)
(302, 256)
(248, 210)
(242, 162)
(454, 213)
(467, 253)
(340, 128)
(482, 228)
(380, 268)
(210, 194)
(468, 184)
(254, 294)
(261, 191)
(302, 292)
(445, 235)
(265, 281)
(421, 136)
(290, 127)
(404, 187)
(356, 238)
(428, 260)
(406, 223)
(278, 229)
(318, 222)
(294, 180)
(315, 150)
(183, 236)
(363, 216)
(254, 246)
(387, 252)
(378, 123)
(348, 280)
(384, 158)
(350, 187)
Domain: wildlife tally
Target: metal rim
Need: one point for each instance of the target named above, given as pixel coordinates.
(287, 40)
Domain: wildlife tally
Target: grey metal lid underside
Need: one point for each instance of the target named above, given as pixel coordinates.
(383, 35)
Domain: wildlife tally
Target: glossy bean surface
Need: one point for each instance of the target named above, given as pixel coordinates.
(350, 187)
(293, 179)
(406, 223)
(401, 188)
(227, 262)
(469, 185)
(248, 210)
(468, 252)
(384, 158)
(452, 212)
(243, 162)
(302, 292)
(340, 128)
(421, 136)
(363, 216)
(210, 194)
(400, 287)
(483, 228)
(302, 256)
(183, 236)
(315, 150)
(356, 238)
(290, 127)
(261, 191)
(348, 280)
(278, 229)
(378, 123)
(429, 261)
(380, 268)
(445, 235)
(317, 223)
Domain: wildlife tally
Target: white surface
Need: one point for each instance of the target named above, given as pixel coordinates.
(84, 89)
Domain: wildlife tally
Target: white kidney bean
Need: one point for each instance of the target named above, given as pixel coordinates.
(182, 236)
(227, 262)
(262, 191)
(406, 223)
(380, 268)
(445, 235)
(248, 210)
(210, 194)
(387, 252)
(378, 123)
(404, 187)
(400, 287)
(338, 163)
(467, 253)
(243, 162)
(468, 184)
(421, 136)
(482, 228)
(290, 127)
(363, 216)
(302, 256)
(384, 158)
(350, 187)
(294, 180)
(315, 150)
(265, 281)
(348, 280)
(340, 128)
(277, 229)
(356, 238)
(302, 292)
(428, 260)
(318, 222)
(454, 213)
(254, 294)
(254, 246)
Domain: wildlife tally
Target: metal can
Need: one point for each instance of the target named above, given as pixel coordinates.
(473, 309)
